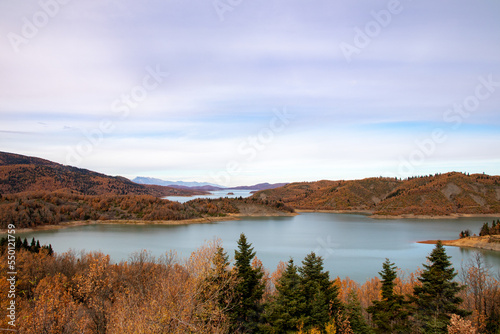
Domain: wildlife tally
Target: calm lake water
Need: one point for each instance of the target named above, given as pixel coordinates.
(214, 194)
(351, 245)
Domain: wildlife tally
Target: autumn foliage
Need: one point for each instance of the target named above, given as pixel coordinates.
(32, 209)
(88, 293)
(439, 194)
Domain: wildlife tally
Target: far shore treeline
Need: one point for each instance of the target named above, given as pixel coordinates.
(32, 209)
(211, 293)
(35, 192)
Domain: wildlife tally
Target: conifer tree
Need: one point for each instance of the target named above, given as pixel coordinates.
(285, 310)
(436, 299)
(389, 314)
(217, 289)
(320, 295)
(249, 289)
(353, 312)
(485, 230)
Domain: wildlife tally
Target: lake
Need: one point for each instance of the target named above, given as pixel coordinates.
(213, 194)
(351, 245)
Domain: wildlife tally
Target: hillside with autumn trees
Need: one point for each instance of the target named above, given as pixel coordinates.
(433, 195)
(36, 192)
(32, 209)
(19, 173)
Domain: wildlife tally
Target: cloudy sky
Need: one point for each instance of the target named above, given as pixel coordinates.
(238, 92)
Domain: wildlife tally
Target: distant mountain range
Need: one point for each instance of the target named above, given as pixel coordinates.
(159, 182)
(203, 186)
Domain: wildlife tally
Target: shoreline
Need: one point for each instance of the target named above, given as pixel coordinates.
(358, 212)
(203, 220)
(450, 216)
(229, 217)
(371, 214)
(483, 242)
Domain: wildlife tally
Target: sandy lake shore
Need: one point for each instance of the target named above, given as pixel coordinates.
(450, 216)
(405, 216)
(485, 242)
(204, 220)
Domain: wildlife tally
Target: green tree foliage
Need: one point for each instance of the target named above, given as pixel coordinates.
(485, 230)
(285, 310)
(465, 234)
(389, 314)
(354, 312)
(218, 289)
(436, 299)
(65, 293)
(20, 244)
(493, 230)
(249, 289)
(321, 296)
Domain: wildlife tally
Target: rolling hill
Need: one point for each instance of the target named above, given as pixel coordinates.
(19, 173)
(35, 192)
(438, 195)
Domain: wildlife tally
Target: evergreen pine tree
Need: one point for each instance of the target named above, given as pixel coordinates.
(51, 251)
(320, 295)
(285, 310)
(18, 243)
(217, 289)
(354, 313)
(436, 299)
(485, 230)
(389, 314)
(249, 289)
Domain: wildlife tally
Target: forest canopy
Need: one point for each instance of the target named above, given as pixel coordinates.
(215, 292)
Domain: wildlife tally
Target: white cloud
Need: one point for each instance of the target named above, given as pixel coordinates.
(227, 76)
